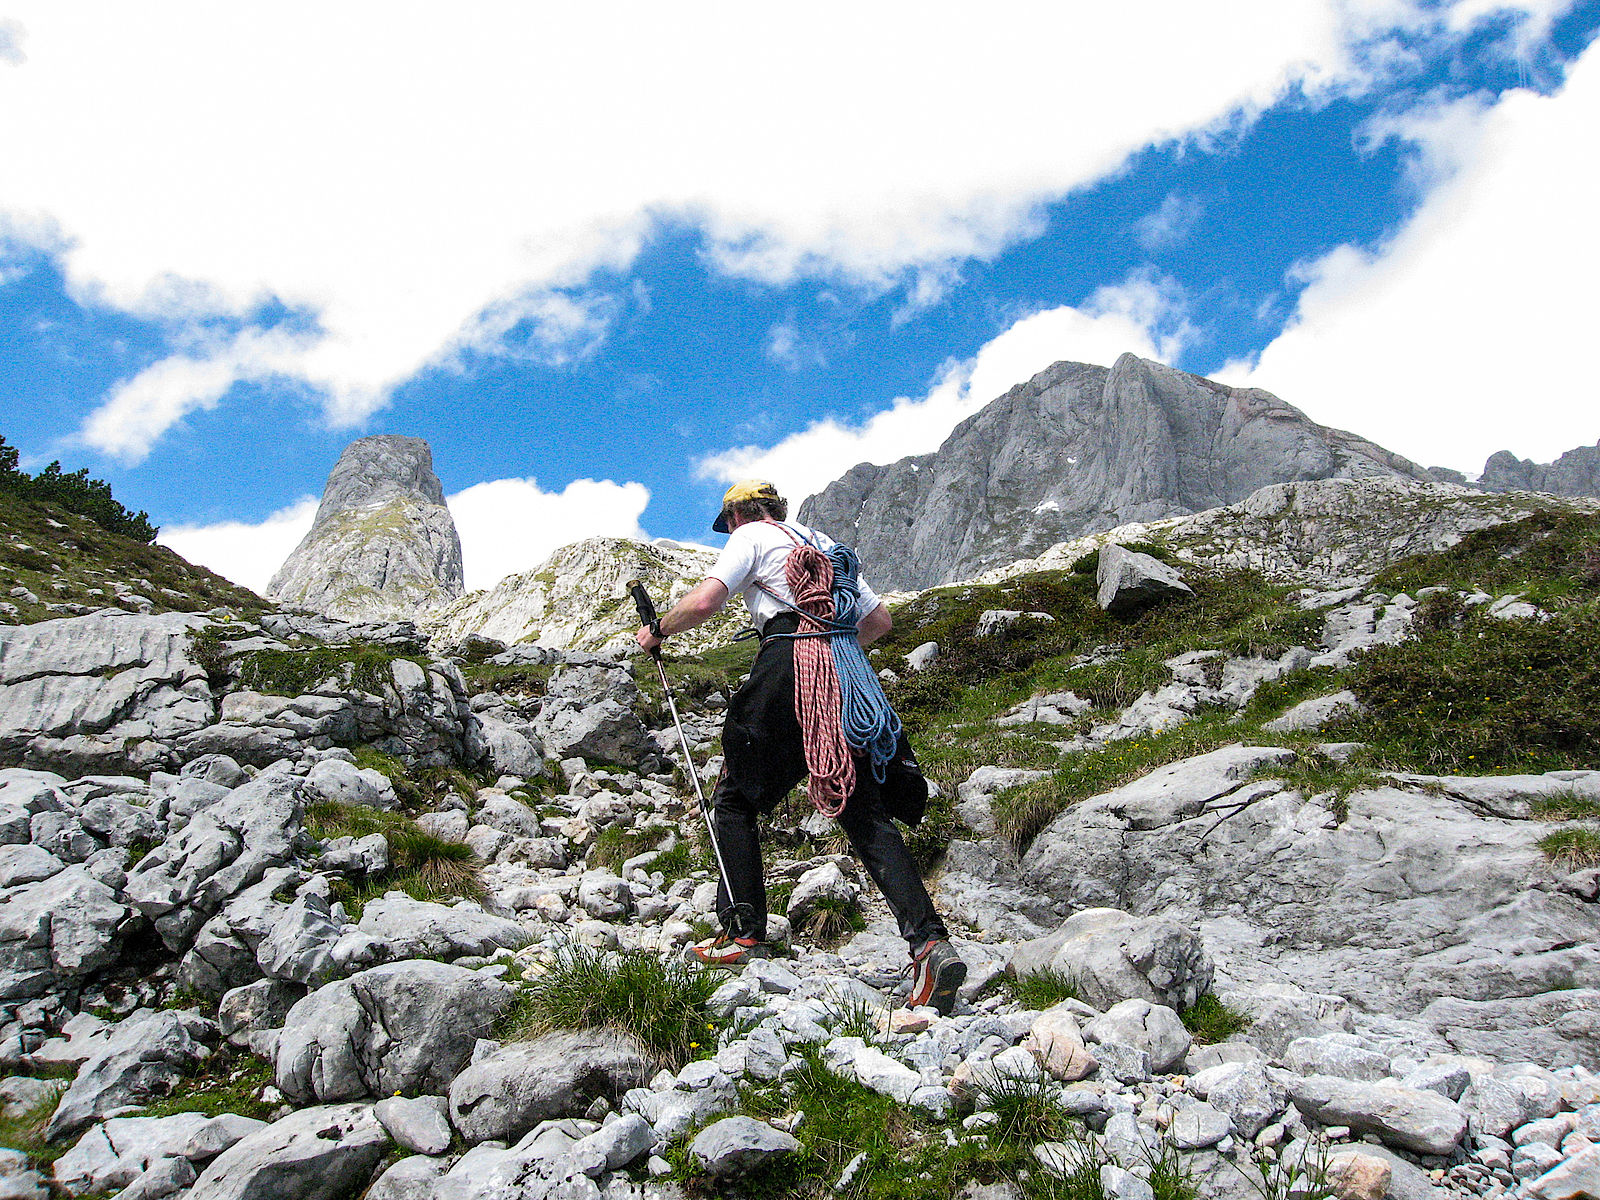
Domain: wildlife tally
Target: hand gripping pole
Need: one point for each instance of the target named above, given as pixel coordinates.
(647, 614)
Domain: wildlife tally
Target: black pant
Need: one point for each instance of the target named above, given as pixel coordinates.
(765, 757)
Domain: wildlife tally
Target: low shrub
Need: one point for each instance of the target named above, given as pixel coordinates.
(295, 672)
(1493, 695)
(1547, 554)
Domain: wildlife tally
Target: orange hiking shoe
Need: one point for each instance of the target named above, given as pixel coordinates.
(936, 972)
(728, 952)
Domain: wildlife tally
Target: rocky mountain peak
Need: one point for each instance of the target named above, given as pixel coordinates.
(374, 470)
(1575, 473)
(1076, 449)
(383, 546)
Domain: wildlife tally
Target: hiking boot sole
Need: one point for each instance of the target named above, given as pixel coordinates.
(946, 983)
(738, 965)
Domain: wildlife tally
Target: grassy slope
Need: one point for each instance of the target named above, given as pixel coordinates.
(63, 558)
(1470, 694)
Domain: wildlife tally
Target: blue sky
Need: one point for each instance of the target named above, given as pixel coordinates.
(603, 272)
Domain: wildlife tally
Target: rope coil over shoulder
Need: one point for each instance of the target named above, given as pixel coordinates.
(838, 699)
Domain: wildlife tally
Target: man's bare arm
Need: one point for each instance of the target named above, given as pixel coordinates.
(874, 625)
(702, 602)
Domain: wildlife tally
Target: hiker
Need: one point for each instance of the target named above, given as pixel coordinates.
(764, 751)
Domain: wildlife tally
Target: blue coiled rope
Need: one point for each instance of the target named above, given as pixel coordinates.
(870, 724)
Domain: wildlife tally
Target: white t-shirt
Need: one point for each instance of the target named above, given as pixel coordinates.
(759, 550)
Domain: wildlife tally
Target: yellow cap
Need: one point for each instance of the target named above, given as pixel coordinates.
(745, 489)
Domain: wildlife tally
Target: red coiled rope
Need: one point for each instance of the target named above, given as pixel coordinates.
(809, 574)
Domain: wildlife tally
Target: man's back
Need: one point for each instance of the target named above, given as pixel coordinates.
(755, 559)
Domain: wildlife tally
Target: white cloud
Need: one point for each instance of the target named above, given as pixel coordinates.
(1169, 225)
(510, 525)
(141, 409)
(1144, 316)
(11, 37)
(505, 525)
(247, 554)
(397, 173)
(1458, 337)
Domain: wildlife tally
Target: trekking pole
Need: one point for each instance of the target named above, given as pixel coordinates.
(647, 614)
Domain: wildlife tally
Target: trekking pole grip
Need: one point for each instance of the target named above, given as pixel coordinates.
(647, 609)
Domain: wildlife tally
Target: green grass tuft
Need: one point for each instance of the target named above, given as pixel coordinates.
(1028, 1108)
(230, 1081)
(1040, 989)
(682, 860)
(615, 845)
(1573, 848)
(660, 1003)
(421, 865)
(855, 1016)
(1021, 813)
(1209, 1020)
(1168, 1172)
(295, 672)
(830, 921)
(26, 1132)
(1568, 807)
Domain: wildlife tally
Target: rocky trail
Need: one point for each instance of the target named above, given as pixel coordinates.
(297, 908)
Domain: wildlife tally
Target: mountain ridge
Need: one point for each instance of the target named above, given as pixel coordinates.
(1076, 449)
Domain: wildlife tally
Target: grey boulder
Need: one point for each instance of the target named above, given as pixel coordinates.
(422, 929)
(1126, 581)
(607, 731)
(339, 782)
(1337, 1054)
(402, 1027)
(1421, 1121)
(313, 1154)
(1315, 713)
(1575, 1179)
(115, 1153)
(503, 1096)
(223, 850)
(734, 1145)
(299, 949)
(413, 1178)
(55, 931)
(1153, 1028)
(1111, 956)
(144, 1056)
(421, 1125)
(1250, 1097)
